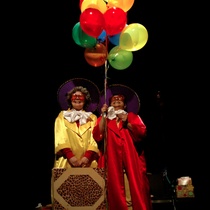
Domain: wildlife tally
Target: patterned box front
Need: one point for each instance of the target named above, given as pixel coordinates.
(78, 189)
(185, 191)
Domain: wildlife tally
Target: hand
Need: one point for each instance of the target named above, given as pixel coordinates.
(84, 162)
(123, 117)
(74, 162)
(104, 108)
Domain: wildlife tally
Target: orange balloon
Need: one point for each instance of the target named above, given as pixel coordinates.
(123, 4)
(97, 55)
(96, 4)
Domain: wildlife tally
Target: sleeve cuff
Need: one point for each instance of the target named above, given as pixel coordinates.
(67, 153)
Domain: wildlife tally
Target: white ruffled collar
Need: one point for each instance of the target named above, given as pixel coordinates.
(74, 115)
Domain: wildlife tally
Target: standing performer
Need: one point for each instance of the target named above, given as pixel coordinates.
(74, 143)
(123, 131)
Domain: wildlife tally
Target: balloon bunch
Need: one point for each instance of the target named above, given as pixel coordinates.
(103, 21)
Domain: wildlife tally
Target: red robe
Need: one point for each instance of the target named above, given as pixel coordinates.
(122, 154)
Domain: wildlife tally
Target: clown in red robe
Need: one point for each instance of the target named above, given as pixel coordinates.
(123, 133)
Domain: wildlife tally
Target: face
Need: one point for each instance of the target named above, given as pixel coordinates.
(117, 101)
(78, 100)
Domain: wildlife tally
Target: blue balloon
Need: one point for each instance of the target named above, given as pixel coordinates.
(115, 39)
(102, 37)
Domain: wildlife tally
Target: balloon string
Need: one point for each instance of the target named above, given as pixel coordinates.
(105, 81)
(106, 68)
(105, 131)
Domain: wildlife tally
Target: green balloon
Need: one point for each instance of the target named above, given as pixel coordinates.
(81, 38)
(86, 40)
(120, 59)
(75, 34)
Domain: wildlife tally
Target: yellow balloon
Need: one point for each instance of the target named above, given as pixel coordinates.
(125, 5)
(95, 4)
(133, 37)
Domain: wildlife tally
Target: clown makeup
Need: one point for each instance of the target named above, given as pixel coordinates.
(117, 98)
(78, 96)
(118, 102)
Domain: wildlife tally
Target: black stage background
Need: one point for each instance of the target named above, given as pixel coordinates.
(175, 139)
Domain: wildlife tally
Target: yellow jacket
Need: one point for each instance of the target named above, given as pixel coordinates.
(78, 138)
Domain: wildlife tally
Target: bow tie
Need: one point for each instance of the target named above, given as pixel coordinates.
(113, 114)
(73, 116)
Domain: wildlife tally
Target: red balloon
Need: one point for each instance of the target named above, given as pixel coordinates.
(92, 22)
(115, 20)
(80, 3)
(97, 55)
